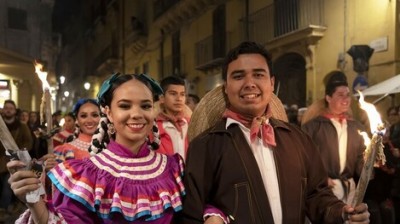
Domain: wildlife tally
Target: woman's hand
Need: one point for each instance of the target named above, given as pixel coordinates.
(49, 161)
(21, 181)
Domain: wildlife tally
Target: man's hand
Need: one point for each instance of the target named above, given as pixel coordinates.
(359, 214)
(214, 220)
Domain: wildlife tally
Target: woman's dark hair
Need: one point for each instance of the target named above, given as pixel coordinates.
(102, 135)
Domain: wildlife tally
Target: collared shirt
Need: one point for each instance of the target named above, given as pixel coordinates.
(266, 163)
(341, 129)
(178, 140)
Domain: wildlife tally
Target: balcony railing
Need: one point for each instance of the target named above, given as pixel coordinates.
(283, 17)
(161, 6)
(109, 54)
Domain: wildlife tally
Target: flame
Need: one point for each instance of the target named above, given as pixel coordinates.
(367, 140)
(42, 75)
(374, 117)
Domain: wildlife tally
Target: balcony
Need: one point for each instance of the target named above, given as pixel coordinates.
(286, 22)
(206, 58)
(107, 61)
(136, 38)
(172, 14)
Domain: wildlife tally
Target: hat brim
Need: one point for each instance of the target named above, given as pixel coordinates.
(212, 106)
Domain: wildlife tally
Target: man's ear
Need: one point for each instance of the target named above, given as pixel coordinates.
(273, 83)
(328, 98)
(224, 87)
(161, 99)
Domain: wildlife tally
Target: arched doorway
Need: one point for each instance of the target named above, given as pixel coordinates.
(290, 79)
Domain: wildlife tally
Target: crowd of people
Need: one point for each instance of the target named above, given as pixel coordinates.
(125, 157)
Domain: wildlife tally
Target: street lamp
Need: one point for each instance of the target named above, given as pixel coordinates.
(62, 79)
(86, 85)
(66, 93)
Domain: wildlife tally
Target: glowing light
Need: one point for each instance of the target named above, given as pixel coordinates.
(374, 117)
(86, 85)
(42, 75)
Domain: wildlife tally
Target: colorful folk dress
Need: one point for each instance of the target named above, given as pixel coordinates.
(117, 186)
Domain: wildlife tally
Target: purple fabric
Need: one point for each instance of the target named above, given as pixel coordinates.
(74, 212)
(116, 185)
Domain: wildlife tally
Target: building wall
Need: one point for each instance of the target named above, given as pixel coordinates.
(22, 46)
(346, 23)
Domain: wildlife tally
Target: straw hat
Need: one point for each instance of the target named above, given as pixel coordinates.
(212, 106)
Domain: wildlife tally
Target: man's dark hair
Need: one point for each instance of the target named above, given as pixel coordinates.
(335, 79)
(171, 80)
(10, 102)
(196, 99)
(246, 47)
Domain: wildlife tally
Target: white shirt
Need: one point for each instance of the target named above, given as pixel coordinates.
(266, 164)
(178, 140)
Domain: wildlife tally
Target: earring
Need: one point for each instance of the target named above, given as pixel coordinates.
(111, 128)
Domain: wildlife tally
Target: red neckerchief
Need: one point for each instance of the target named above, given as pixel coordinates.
(176, 120)
(341, 117)
(254, 123)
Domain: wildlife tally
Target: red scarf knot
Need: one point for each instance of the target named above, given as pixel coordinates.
(177, 120)
(340, 117)
(259, 126)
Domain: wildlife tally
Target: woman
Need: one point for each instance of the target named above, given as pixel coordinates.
(87, 113)
(126, 182)
(24, 116)
(68, 129)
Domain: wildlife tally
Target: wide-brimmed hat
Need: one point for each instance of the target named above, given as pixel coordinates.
(212, 106)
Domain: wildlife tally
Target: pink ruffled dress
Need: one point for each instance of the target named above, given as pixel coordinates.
(117, 186)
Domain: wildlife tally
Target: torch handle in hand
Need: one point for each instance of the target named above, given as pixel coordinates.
(49, 119)
(6, 138)
(371, 153)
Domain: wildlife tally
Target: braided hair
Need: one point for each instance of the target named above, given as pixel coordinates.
(102, 135)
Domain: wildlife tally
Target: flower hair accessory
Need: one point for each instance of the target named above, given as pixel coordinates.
(106, 86)
(80, 102)
(154, 84)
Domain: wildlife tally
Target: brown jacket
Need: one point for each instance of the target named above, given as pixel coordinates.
(22, 136)
(222, 171)
(325, 137)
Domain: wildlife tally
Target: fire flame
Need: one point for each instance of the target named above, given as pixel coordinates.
(42, 75)
(374, 117)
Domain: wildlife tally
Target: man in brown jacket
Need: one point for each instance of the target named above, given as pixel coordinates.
(252, 168)
(22, 136)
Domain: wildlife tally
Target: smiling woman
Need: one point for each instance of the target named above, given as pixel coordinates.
(124, 180)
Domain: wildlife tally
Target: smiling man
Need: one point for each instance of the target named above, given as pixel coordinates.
(337, 138)
(172, 121)
(252, 168)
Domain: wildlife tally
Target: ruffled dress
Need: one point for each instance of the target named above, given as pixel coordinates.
(76, 149)
(117, 186)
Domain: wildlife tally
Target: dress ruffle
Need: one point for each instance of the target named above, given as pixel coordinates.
(116, 182)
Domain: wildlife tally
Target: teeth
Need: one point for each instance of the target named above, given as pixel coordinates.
(250, 96)
(136, 125)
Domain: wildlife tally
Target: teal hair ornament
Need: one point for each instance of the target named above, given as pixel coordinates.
(106, 86)
(154, 84)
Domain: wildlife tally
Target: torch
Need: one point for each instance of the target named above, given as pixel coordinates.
(374, 151)
(45, 105)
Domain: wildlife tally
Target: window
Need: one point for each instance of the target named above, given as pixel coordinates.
(17, 19)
